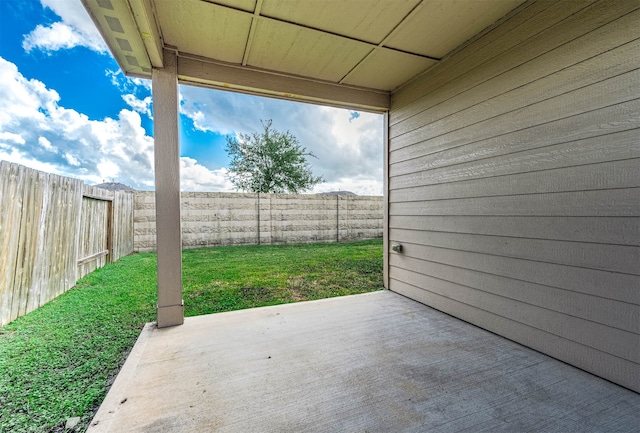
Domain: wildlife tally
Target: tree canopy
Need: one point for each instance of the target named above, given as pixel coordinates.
(269, 162)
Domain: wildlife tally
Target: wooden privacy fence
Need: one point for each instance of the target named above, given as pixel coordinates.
(53, 231)
(219, 218)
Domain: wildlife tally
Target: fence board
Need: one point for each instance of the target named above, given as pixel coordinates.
(93, 234)
(10, 217)
(46, 226)
(122, 224)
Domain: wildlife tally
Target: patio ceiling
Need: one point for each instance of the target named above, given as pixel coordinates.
(351, 53)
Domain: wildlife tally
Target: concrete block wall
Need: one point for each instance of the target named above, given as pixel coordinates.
(215, 218)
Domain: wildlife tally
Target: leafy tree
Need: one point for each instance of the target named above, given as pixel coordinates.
(270, 161)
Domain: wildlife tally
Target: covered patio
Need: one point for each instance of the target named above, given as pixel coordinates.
(377, 362)
(512, 203)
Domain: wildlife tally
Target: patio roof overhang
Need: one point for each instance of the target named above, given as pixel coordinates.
(349, 53)
(344, 53)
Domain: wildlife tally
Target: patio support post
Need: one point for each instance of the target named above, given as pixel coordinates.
(167, 175)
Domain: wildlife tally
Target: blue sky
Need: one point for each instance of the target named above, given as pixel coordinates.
(66, 108)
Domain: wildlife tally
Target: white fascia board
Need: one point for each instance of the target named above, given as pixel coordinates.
(148, 30)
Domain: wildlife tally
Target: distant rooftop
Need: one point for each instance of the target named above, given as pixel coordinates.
(115, 186)
(339, 193)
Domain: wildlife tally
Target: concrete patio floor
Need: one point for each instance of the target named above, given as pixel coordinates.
(376, 362)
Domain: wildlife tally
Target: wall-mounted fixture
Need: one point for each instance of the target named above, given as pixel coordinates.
(396, 247)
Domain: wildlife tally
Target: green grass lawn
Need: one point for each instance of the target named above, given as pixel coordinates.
(58, 361)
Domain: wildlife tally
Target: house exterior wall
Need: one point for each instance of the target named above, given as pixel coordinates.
(514, 184)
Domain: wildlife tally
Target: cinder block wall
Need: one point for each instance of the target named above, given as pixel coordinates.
(214, 218)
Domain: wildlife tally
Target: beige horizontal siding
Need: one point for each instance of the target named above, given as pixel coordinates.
(616, 258)
(607, 175)
(606, 284)
(611, 230)
(568, 302)
(586, 125)
(514, 183)
(621, 202)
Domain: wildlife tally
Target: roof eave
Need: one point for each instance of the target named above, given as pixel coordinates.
(130, 30)
(121, 32)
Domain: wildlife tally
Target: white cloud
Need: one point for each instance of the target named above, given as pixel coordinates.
(136, 92)
(142, 106)
(11, 137)
(128, 84)
(46, 144)
(72, 160)
(196, 177)
(75, 29)
(15, 155)
(359, 185)
(108, 169)
(55, 37)
(20, 98)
